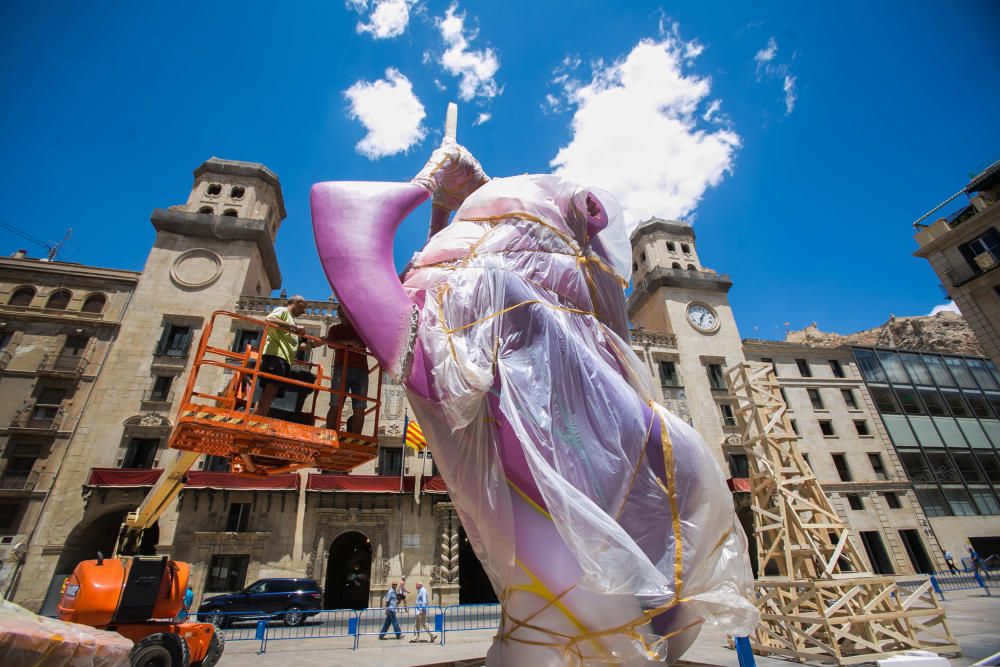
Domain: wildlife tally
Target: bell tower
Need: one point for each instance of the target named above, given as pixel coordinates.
(675, 294)
(208, 252)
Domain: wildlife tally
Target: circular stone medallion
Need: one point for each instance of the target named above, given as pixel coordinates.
(196, 268)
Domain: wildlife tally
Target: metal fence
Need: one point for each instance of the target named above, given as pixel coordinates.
(352, 625)
(960, 580)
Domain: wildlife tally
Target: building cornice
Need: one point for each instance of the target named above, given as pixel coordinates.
(677, 278)
(225, 228)
(62, 269)
(972, 228)
(666, 226)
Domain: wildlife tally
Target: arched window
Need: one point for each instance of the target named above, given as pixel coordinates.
(643, 257)
(214, 190)
(237, 192)
(635, 267)
(671, 247)
(94, 303)
(691, 267)
(22, 296)
(58, 300)
(208, 210)
(231, 212)
(675, 265)
(685, 249)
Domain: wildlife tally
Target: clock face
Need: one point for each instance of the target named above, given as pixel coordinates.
(702, 317)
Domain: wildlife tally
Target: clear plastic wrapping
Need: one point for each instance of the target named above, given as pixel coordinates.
(30, 640)
(571, 482)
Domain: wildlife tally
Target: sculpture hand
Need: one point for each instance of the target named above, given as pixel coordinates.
(450, 175)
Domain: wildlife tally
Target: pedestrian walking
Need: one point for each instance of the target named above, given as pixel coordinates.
(401, 594)
(950, 561)
(977, 563)
(421, 620)
(390, 614)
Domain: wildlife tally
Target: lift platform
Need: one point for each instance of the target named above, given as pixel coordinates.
(224, 424)
(292, 436)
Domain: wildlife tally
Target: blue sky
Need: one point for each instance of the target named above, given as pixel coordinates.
(801, 139)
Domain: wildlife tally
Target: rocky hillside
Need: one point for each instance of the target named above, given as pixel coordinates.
(943, 332)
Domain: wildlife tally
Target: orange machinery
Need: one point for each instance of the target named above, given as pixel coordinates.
(140, 597)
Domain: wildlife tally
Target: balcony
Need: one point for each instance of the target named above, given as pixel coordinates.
(18, 482)
(985, 262)
(62, 366)
(260, 306)
(154, 396)
(653, 338)
(37, 418)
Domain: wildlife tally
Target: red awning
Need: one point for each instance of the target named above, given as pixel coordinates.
(123, 477)
(433, 485)
(738, 484)
(226, 480)
(373, 484)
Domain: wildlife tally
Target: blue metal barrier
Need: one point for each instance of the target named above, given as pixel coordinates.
(463, 617)
(325, 624)
(947, 580)
(744, 653)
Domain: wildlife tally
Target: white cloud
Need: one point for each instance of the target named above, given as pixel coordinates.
(482, 118)
(636, 133)
(768, 67)
(712, 109)
(790, 94)
(949, 307)
(475, 69)
(386, 19)
(766, 54)
(390, 111)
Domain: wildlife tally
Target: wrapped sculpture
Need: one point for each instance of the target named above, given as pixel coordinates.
(603, 521)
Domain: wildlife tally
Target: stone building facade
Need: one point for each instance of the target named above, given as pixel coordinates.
(58, 322)
(964, 251)
(846, 444)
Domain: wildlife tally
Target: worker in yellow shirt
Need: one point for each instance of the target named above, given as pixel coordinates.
(279, 350)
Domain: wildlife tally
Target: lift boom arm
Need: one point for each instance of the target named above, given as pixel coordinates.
(164, 492)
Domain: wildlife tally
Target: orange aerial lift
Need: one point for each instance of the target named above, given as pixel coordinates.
(139, 597)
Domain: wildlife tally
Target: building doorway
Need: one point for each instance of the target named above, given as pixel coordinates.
(474, 586)
(916, 551)
(877, 555)
(348, 572)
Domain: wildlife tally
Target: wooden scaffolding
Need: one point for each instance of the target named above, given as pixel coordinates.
(817, 596)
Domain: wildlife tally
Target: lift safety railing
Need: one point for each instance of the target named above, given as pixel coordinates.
(246, 366)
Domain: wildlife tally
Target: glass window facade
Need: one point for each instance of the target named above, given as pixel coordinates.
(942, 413)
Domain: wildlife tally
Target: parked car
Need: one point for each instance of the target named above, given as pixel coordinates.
(291, 600)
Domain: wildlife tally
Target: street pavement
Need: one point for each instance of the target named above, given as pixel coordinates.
(973, 617)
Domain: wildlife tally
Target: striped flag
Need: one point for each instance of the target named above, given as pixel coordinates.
(414, 437)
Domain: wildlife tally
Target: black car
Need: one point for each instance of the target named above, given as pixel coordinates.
(292, 600)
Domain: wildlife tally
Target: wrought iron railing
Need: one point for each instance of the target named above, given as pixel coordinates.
(58, 363)
(154, 396)
(24, 481)
(985, 262)
(38, 416)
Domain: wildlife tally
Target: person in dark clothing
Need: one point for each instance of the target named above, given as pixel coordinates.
(349, 375)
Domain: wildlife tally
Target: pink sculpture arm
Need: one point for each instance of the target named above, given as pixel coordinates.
(354, 224)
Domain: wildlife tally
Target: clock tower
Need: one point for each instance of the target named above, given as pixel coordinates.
(676, 296)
